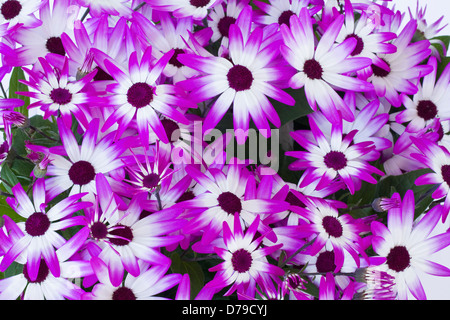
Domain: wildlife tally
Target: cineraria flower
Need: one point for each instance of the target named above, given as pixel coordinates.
(396, 73)
(222, 16)
(197, 9)
(437, 158)
(138, 95)
(93, 156)
(109, 41)
(146, 175)
(370, 42)
(37, 42)
(150, 282)
(245, 260)
(225, 195)
(407, 247)
(244, 81)
(172, 34)
(56, 95)
(112, 7)
(430, 101)
(124, 238)
(45, 287)
(19, 12)
(322, 68)
(40, 237)
(326, 159)
(343, 231)
(429, 31)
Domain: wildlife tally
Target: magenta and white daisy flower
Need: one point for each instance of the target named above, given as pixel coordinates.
(78, 172)
(396, 73)
(46, 286)
(430, 101)
(407, 248)
(245, 81)
(224, 194)
(138, 96)
(245, 262)
(56, 95)
(323, 68)
(197, 9)
(437, 158)
(124, 238)
(151, 281)
(19, 12)
(222, 16)
(341, 231)
(369, 41)
(335, 157)
(40, 237)
(172, 34)
(37, 42)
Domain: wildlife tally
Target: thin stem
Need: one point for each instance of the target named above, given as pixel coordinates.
(5, 194)
(3, 90)
(297, 252)
(42, 133)
(6, 182)
(85, 14)
(158, 198)
(139, 6)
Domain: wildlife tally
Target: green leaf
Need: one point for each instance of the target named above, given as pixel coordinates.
(192, 268)
(15, 86)
(299, 109)
(9, 177)
(5, 209)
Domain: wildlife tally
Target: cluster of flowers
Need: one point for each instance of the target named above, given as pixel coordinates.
(94, 205)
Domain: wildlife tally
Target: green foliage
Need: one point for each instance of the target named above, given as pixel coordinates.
(192, 268)
(15, 86)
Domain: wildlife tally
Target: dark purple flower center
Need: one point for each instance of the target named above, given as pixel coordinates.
(241, 260)
(230, 203)
(335, 160)
(55, 45)
(188, 195)
(102, 75)
(11, 9)
(325, 262)
(312, 69)
(174, 60)
(42, 273)
(99, 230)
(294, 201)
(172, 129)
(284, 17)
(37, 224)
(380, 72)
(240, 78)
(125, 233)
(61, 96)
(81, 172)
(426, 109)
(4, 147)
(224, 25)
(199, 3)
(151, 180)
(398, 258)
(123, 293)
(140, 95)
(332, 226)
(445, 172)
(440, 132)
(359, 44)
